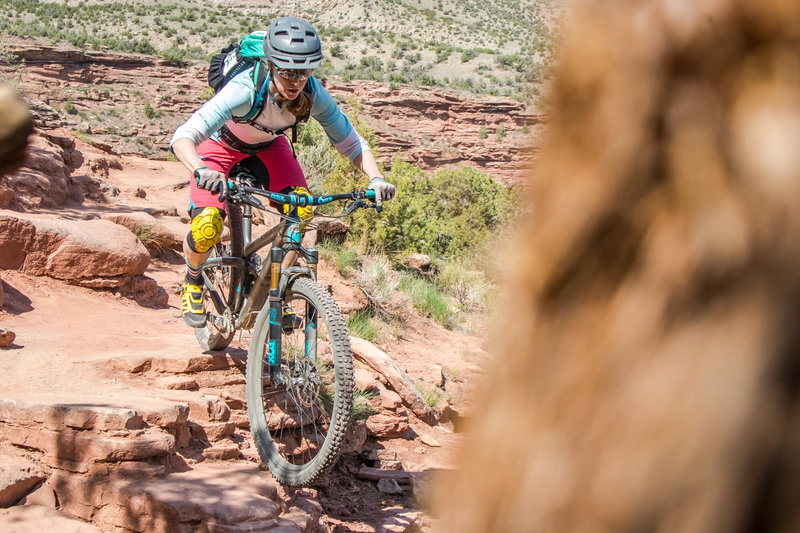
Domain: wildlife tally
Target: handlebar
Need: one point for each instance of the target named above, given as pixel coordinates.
(238, 193)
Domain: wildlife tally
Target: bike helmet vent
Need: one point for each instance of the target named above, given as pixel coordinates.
(292, 43)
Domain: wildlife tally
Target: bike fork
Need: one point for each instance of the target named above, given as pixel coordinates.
(275, 316)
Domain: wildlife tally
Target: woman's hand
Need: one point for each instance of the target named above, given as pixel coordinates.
(210, 180)
(383, 189)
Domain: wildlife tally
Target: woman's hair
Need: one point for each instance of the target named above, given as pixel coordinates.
(301, 105)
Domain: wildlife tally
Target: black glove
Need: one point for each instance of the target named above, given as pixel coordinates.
(383, 190)
(210, 180)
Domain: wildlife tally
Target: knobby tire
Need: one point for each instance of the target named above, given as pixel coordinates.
(292, 448)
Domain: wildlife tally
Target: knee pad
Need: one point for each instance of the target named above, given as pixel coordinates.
(206, 230)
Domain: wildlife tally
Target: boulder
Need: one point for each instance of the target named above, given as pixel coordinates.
(43, 179)
(35, 519)
(18, 477)
(71, 250)
(332, 231)
(6, 337)
(420, 262)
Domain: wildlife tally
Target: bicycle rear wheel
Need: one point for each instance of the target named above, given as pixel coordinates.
(299, 422)
(225, 280)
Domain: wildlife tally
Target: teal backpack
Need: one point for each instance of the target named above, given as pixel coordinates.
(238, 57)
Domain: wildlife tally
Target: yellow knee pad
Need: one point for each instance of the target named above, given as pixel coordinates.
(206, 229)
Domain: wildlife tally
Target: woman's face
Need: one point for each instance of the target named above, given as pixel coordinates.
(290, 82)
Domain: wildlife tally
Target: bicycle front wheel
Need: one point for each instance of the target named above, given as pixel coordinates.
(299, 419)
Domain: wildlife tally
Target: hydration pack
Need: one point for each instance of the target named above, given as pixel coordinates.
(238, 57)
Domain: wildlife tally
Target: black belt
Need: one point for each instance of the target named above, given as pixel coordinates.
(226, 136)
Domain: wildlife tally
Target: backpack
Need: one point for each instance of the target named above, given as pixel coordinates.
(238, 57)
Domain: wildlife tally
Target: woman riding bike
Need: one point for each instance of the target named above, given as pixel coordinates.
(214, 139)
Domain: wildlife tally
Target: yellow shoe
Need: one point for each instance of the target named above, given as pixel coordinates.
(192, 308)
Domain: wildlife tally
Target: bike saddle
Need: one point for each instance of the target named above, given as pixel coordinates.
(255, 167)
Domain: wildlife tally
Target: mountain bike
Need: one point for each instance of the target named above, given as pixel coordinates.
(299, 377)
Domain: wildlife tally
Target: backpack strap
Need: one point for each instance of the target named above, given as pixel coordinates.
(260, 79)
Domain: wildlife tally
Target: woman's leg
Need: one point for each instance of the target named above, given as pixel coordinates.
(207, 214)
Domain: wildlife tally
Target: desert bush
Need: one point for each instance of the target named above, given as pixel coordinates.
(429, 299)
(362, 408)
(430, 393)
(360, 325)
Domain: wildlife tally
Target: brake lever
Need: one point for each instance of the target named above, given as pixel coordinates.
(255, 202)
(352, 206)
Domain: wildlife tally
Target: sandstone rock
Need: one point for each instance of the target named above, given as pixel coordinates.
(332, 231)
(35, 519)
(373, 474)
(365, 380)
(429, 441)
(44, 116)
(43, 178)
(387, 425)
(18, 477)
(233, 497)
(154, 235)
(222, 452)
(2, 293)
(202, 407)
(401, 521)
(356, 436)
(389, 400)
(43, 495)
(380, 362)
(389, 486)
(434, 375)
(178, 383)
(70, 250)
(420, 262)
(6, 337)
(145, 291)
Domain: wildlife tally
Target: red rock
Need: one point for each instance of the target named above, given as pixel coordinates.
(35, 519)
(18, 477)
(6, 337)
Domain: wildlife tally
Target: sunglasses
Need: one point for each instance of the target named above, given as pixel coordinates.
(294, 74)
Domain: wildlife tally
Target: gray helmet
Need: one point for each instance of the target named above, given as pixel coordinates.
(293, 43)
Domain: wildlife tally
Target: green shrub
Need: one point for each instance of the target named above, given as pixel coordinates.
(360, 325)
(362, 408)
(482, 132)
(70, 109)
(430, 393)
(344, 257)
(428, 299)
(499, 133)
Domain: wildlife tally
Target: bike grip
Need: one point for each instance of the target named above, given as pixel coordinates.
(370, 194)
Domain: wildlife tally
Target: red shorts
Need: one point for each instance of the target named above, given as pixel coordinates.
(284, 170)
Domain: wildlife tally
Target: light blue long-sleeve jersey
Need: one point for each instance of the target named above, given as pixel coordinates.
(238, 96)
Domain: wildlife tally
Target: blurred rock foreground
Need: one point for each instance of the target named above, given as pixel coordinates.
(652, 375)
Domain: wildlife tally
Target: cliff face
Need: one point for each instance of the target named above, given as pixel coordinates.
(134, 102)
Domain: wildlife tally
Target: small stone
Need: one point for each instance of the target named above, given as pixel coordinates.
(6, 337)
(429, 441)
(389, 486)
(140, 193)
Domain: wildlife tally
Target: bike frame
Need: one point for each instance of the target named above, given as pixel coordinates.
(270, 281)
